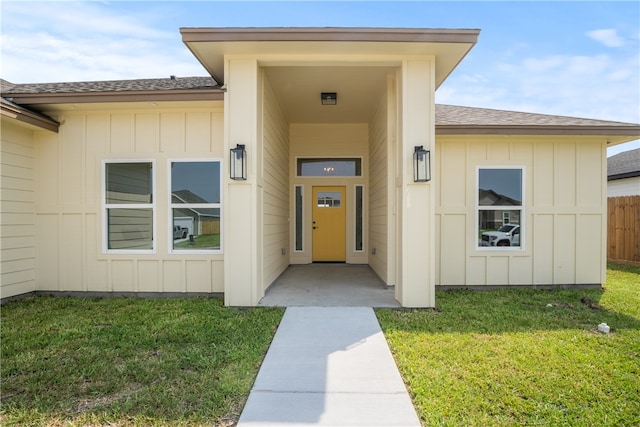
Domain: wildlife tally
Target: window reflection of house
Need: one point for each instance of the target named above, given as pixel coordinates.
(494, 219)
(199, 220)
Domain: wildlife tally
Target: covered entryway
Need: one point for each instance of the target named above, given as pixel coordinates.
(329, 285)
(385, 80)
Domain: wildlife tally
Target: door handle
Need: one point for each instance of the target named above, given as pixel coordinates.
(314, 225)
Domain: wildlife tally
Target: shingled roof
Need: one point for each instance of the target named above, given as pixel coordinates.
(170, 88)
(170, 83)
(624, 165)
(450, 119)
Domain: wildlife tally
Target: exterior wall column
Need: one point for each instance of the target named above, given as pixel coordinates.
(242, 218)
(415, 285)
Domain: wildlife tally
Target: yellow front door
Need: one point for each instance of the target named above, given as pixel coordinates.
(329, 224)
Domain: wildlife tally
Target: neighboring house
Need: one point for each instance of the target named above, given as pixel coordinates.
(96, 174)
(199, 221)
(623, 174)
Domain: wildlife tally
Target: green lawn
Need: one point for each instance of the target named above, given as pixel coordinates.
(523, 357)
(204, 241)
(124, 361)
(513, 357)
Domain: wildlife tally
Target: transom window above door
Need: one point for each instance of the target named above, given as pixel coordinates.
(328, 167)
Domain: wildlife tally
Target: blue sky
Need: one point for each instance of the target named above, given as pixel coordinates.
(567, 58)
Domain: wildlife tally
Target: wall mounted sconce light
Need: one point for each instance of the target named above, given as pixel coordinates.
(421, 164)
(238, 163)
(329, 98)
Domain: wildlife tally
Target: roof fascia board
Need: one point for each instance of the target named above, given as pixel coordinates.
(418, 35)
(241, 40)
(623, 175)
(128, 96)
(633, 132)
(29, 117)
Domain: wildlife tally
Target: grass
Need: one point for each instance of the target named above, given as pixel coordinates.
(523, 357)
(126, 362)
(204, 241)
(511, 357)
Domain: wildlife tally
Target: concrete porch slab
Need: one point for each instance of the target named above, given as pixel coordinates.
(329, 285)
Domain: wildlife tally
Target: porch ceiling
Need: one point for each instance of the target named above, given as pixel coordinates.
(298, 91)
(301, 63)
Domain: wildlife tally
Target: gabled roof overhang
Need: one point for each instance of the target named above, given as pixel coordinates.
(631, 131)
(111, 97)
(448, 46)
(26, 116)
(614, 135)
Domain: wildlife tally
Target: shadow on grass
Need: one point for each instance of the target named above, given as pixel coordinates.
(509, 311)
(626, 268)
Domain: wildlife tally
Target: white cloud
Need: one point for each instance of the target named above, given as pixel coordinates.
(598, 86)
(88, 41)
(541, 65)
(608, 37)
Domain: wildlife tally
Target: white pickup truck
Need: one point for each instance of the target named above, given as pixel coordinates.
(507, 235)
(180, 232)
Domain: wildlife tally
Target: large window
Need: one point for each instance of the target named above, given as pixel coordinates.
(500, 207)
(195, 205)
(128, 206)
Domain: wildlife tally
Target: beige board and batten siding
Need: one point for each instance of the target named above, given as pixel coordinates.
(564, 212)
(275, 184)
(69, 198)
(337, 140)
(18, 224)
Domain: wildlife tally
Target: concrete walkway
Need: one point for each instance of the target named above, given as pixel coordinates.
(329, 366)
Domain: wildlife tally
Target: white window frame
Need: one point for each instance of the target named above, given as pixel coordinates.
(172, 205)
(520, 208)
(106, 206)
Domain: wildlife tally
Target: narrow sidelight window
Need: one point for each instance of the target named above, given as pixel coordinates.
(298, 218)
(359, 225)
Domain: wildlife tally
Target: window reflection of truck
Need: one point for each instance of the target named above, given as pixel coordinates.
(180, 232)
(507, 235)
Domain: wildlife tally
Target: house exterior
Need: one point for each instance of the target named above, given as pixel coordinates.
(623, 174)
(97, 175)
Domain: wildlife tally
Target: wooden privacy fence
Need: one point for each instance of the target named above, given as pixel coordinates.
(623, 229)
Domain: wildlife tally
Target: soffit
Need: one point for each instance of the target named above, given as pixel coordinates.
(359, 90)
(326, 45)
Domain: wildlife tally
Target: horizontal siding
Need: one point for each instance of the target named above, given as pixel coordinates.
(624, 187)
(275, 209)
(564, 212)
(17, 196)
(378, 192)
